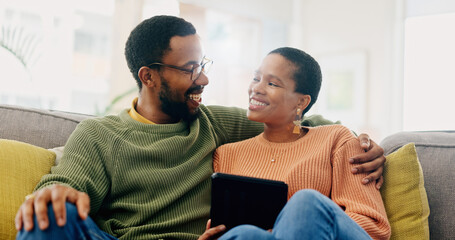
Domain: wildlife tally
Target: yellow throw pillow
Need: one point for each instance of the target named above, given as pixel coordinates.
(22, 166)
(404, 195)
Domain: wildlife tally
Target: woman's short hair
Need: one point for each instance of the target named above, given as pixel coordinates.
(307, 73)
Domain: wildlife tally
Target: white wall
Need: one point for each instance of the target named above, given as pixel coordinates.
(428, 65)
(260, 9)
(331, 28)
(425, 7)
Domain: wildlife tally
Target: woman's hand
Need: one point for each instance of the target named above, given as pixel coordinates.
(212, 233)
(372, 161)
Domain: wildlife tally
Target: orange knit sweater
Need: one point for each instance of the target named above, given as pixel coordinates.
(319, 161)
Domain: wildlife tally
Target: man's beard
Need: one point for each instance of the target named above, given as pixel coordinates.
(177, 110)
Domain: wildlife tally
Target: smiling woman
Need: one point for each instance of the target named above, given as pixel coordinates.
(285, 87)
(274, 81)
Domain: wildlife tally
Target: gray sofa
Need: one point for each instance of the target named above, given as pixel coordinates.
(436, 151)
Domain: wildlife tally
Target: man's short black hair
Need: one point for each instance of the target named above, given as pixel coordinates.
(149, 41)
(307, 73)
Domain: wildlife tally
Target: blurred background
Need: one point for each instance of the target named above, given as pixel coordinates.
(387, 65)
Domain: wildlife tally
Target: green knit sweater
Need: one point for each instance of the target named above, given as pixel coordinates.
(149, 181)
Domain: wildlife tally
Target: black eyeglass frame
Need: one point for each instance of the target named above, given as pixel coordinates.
(190, 71)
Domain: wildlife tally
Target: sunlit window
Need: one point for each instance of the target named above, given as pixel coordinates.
(71, 57)
(56, 57)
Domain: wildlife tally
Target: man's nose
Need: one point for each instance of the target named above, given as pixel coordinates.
(202, 80)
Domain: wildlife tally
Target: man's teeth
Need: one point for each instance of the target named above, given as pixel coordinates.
(254, 102)
(195, 97)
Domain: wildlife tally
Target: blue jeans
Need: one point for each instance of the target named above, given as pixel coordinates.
(75, 227)
(307, 215)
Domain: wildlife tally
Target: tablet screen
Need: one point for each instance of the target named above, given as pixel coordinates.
(240, 200)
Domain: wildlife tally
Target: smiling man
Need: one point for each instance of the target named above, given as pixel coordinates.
(145, 173)
(169, 84)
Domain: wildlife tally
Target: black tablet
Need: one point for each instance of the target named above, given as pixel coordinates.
(240, 200)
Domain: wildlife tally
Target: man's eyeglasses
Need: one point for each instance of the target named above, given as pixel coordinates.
(195, 71)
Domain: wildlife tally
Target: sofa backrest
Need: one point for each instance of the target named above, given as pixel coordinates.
(44, 128)
(436, 153)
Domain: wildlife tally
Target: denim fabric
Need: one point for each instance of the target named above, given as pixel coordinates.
(75, 228)
(307, 215)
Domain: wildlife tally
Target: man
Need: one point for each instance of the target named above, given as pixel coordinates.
(145, 173)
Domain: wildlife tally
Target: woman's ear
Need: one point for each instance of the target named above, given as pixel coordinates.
(146, 76)
(304, 101)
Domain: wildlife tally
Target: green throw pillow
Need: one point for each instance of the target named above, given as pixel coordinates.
(404, 195)
(22, 166)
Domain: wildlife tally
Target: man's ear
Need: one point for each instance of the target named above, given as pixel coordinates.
(304, 101)
(147, 76)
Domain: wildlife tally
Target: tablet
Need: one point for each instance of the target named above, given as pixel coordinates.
(240, 200)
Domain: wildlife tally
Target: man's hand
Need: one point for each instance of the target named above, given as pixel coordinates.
(38, 201)
(372, 161)
(212, 233)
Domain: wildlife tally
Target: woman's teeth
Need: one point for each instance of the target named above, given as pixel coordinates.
(254, 102)
(195, 97)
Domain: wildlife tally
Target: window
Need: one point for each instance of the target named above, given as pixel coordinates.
(57, 59)
(78, 63)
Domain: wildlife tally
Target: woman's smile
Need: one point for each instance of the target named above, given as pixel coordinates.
(257, 104)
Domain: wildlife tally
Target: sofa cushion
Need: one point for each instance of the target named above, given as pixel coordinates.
(436, 151)
(404, 195)
(58, 153)
(22, 166)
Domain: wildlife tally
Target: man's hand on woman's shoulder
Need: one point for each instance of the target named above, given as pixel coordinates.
(372, 161)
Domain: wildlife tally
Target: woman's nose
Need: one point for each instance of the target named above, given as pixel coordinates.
(257, 86)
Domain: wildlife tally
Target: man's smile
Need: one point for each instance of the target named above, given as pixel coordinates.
(195, 97)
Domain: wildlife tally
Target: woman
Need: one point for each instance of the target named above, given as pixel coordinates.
(283, 89)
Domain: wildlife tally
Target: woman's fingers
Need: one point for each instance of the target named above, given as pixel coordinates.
(212, 233)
